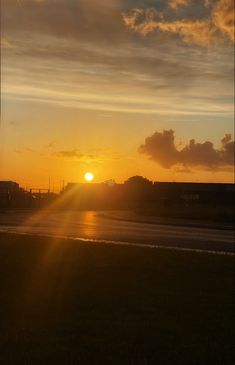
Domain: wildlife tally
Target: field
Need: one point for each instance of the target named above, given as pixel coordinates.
(65, 302)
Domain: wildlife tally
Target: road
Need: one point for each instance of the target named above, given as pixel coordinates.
(99, 227)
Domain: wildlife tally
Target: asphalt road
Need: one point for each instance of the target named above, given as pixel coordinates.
(99, 227)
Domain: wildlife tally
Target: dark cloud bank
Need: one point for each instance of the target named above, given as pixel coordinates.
(206, 30)
(161, 148)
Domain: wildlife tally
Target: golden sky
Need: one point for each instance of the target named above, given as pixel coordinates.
(116, 87)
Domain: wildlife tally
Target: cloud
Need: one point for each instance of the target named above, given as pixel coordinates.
(182, 170)
(223, 17)
(192, 31)
(26, 150)
(102, 20)
(5, 43)
(207, 3)
(70, 19)
(201, 31)
(161, 148)
(13, 123)
(76, 155)
(69, 154)
(174, 4)
(51, 144)
(22, 2)
(78, 54)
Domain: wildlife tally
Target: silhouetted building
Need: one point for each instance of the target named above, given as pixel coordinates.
(12, 196)
(140, 195)
(195, 200)
(88, 196)
(195, 192)
(9, 191)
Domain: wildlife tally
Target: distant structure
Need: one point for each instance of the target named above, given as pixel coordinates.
(143, 194)
(97, 196)
(195, 192)
(12, 196)
(185, 200)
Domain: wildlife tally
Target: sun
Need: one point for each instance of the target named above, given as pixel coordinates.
(89, 176)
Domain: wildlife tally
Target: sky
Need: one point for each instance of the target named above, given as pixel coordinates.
(118, 88)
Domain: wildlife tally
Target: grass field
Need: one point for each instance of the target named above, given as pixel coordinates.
(65, 302)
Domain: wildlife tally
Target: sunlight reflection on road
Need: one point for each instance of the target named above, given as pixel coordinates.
(97, 227)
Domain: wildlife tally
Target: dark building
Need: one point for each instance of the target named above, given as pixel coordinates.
(182, 200)
(9, 192)
(197, 192)
(12, 196)
(88, 196)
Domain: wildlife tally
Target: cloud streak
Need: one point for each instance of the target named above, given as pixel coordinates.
(77, 155)
(4, 43)
(161, 148)
(174, 4)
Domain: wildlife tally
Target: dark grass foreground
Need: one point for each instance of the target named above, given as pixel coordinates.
(62, 302)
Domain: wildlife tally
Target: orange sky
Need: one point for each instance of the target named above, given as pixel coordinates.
(85, 84)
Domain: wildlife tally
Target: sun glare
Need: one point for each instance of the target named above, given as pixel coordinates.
(89, 176)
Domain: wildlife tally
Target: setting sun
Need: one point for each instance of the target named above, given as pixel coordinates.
(89, 176)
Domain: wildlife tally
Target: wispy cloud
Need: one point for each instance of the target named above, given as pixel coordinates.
(77, 155)
(5, 43)
(174, 4)
(146, 104)
(74, 154)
